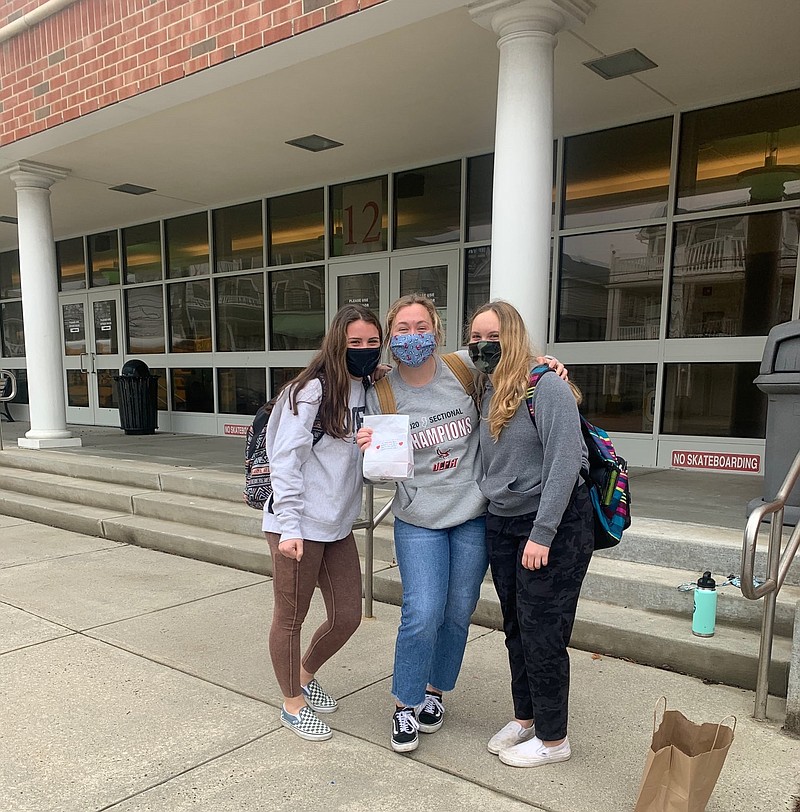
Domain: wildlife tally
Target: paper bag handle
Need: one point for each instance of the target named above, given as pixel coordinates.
(655, 711)
(733, 728)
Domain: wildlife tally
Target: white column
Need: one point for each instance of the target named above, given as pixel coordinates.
(523, 151)
(40, 311)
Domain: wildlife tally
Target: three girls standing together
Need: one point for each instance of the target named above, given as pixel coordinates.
(510, 497)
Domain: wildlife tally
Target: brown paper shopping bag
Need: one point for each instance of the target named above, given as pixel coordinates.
(683, 764)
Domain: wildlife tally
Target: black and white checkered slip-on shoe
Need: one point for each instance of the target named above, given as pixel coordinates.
(306, 724)
(317, 699)
(430, 714)
(404, 730)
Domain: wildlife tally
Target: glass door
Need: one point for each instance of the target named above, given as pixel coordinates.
(92, 356)
(363, 281)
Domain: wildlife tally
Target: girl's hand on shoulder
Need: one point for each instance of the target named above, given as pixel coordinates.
(554, 364)
(291, 548)
(364, 438)
(381, 371)
(535, 556)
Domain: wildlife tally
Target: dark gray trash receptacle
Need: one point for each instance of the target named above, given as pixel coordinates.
(779, 378)
(137, 391)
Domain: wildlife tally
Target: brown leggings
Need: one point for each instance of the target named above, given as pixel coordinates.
(334, 566)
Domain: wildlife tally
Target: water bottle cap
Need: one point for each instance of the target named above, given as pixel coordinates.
(705, 581)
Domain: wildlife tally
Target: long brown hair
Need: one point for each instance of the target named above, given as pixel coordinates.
(510, 379)
(412, 299)
(330, 364)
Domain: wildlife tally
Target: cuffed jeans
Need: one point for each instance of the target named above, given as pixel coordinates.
(442, 571)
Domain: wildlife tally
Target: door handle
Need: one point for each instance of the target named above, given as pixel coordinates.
(83, 364)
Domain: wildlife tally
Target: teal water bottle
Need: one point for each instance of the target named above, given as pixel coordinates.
(705, 606)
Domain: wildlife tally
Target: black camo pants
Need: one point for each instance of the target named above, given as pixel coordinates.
(539, 609)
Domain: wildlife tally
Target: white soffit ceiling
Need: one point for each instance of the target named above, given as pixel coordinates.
(418, 94)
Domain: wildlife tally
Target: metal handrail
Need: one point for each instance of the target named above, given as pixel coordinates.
(777, 569)
(6, 375)
(369, 523)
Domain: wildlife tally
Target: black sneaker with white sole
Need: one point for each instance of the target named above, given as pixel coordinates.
(430, 714)
(404, 730)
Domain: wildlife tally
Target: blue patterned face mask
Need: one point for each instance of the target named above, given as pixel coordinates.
(413, 349)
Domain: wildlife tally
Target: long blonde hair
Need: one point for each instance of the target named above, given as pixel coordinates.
(412, 299)
(510, 379)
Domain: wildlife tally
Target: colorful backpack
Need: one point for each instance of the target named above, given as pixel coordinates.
(257, 481)
(607, 477)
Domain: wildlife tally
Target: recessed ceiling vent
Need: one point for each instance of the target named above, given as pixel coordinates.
(622, 64)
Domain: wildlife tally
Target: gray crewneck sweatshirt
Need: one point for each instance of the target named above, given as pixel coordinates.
(316, 487)
(534, 468)
(444, 491)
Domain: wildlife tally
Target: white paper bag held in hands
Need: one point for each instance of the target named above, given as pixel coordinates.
(390, 455)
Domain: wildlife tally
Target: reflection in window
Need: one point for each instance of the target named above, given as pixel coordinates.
(358, 217)
(610, 285)
(106, 331)
(477, 267)
(241, 391)
(9, 275)
(279, 377)
(144, 310)
(74, 321)
(13, 333)
(297, 309)
(103, 259)
(240, 313)
(187, 245)
(77, 388)
(71, 263)
(22, 385)
(161, 374)
(432, 283)
(190, 316)
(733, 276)
(617, 175)
(360, 288)
(717, 400)
(141, 253)
(618, 397)
(193, 390)
(480, 172)
(297, 227)
(107, 389)
(427, 205)
(238, 238)
(742, 153)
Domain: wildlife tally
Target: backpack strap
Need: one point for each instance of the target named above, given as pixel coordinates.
(463, 373)
(536, 374)
(385, 395)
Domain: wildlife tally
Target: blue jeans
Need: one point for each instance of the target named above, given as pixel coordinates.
(442, 571)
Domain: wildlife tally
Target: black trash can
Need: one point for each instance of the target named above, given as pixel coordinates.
(137, 391)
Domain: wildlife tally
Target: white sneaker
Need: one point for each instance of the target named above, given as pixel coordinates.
(513, 733)
(533, 753)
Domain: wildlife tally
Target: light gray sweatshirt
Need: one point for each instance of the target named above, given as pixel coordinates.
(444, 432)
(316, 488)
(534, 468)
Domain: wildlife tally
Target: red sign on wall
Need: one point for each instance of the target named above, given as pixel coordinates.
(717, 461)
(235, 430)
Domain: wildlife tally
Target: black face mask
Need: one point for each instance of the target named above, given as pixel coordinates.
(361, 363)
(485, 355)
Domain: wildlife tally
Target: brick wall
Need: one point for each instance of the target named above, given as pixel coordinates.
(97, 52)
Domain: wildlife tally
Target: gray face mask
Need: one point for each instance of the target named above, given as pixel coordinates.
(485, 355)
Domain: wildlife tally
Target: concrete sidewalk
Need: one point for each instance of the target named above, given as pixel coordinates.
(133, 680)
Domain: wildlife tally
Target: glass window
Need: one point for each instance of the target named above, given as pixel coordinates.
(733, 276)
(193, 390)
(618, 397)
(106, 329)
(617, 175)
(241, 391)
(238, 238)
(187, 245)
(240, 313)
(103, 259)
(190, 316)
(610, 285)
(144, 310)
(297, 228)
(279, 377)
(717, 400)
(9, 275)
(359, 221)
(107, 389)
(297, 309)
(141, 253)
(161, 374)
(360, 288)
(22, 385)
(477, 267)
(431, 281)
(71, 262)
(77, 388)
(13, 332)
(73, 318)
(740, 153)
(427, 205)
(480, 171)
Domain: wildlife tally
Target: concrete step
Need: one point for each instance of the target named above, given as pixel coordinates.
(200, 512)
